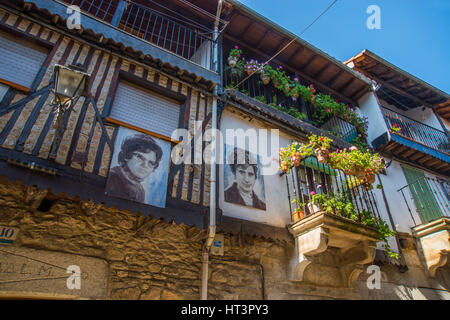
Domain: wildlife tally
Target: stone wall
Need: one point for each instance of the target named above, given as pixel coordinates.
(155, 259)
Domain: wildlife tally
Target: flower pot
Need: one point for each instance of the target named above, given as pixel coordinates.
(322, 155)
(297, 95)
(297, 215)
(369, 176)
(276, 84)
(296, 158)
(232, 62)
(265, 79)
(312, 208)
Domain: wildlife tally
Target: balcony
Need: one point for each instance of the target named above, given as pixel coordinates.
(414, 141)
(140, 29)
(254, 88)
(332, 242)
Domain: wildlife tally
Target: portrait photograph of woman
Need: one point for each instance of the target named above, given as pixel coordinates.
(243, 182)
(139, 168)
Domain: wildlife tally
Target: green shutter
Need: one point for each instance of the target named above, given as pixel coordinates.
(425, 202)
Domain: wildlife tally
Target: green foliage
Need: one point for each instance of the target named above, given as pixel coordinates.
(339, 204)
(320, 141)
(356, 160)
(260, 99)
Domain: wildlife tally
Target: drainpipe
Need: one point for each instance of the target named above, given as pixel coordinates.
(212, 199)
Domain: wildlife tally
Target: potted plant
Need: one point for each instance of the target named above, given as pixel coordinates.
(293, 155)
(321, 146)
(395, 128)
(252, 66)
(298, 214)
(234, 56)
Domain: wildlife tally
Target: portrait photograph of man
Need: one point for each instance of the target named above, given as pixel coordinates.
(139, 168)
(244, 184)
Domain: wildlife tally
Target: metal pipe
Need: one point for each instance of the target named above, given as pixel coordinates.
(212, 199)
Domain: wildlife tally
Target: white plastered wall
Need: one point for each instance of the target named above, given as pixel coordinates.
(277, 211)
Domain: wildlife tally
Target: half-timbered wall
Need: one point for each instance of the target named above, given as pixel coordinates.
(27, 121)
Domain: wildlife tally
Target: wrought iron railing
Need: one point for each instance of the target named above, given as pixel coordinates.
(314, 178)
(417, 131)
(340, 128)
(427, 199)
(255, 88)
(149, 25)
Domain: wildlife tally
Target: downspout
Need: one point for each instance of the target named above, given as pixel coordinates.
(212, 199)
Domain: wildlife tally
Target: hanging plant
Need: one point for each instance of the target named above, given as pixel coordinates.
(321, 146)
(234, 56)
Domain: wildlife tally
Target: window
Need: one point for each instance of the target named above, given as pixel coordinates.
(424, 192)
(145, 109)
(20, 60)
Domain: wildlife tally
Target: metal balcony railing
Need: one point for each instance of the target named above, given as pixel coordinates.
(417, 131)
(255, 88)
(427, 199)
(312, 177)
(149, 25)
(340, 128)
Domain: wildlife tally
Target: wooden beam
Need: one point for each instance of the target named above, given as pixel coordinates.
(399, 91)
(359, 94)
(298, 51)
(321, 71)
(259, 42)
(433, 162)
(246, 29)
(346, 85)
(409, 153)
(417, 156)
(319, 85)
(424, 159)
(444, 164)
(400, 150)
(307, 63)
(332, 81)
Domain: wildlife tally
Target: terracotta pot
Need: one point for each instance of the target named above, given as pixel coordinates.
(276, 84)
(312, 208)
(265, 79)
(296, 158)
(297, 215)
(232, 62)
(322, 155)
(369, 176)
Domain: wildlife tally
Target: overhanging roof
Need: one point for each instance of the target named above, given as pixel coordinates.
(398, 87)
(260, 35)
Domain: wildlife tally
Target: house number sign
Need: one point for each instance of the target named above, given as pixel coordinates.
(8, 234)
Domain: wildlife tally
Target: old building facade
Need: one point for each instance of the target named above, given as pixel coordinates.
(151, 73)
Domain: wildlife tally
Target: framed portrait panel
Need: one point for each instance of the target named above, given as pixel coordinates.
(139, 168)
(243, 181)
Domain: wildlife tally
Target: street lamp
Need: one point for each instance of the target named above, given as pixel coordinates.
(71, 83)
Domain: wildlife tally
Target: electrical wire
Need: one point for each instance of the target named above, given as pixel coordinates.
(290, 42)
(382, 89)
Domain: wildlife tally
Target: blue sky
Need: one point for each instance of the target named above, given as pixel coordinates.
(414, 34)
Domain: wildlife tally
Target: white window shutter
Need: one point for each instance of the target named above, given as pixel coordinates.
(20, 59)
(145, 109)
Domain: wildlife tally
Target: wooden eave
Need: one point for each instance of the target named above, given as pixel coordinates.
(398, 87)
(258, 35)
